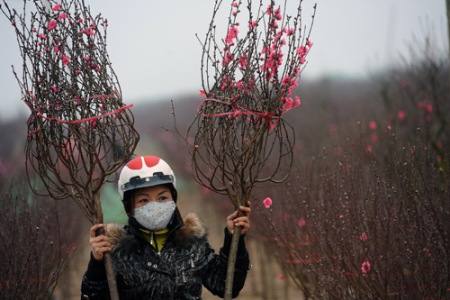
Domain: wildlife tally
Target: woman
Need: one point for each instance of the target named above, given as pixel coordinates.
(159, 255)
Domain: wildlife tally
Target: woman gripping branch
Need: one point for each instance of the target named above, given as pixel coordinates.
(159, 254)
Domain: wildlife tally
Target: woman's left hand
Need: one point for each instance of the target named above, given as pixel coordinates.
(243, 221)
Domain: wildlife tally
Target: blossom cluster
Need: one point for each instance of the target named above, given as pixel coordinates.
(65, 61)
(259, 66)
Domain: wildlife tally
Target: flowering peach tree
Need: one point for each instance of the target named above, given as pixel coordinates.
(79, 130)
(367, 216)
(248, 76)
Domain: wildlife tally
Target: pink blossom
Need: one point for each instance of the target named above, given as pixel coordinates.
(226, 81)
(274, 46)
(52, 24)
(281, 277)
(273, 62)
(365, 266)
(62, 16)
(239, 85)
(78, 72)
(202, 93)
(302, 50)
(33, 30)
(231, 35)
(86, 57)
(289, 103)
(267, 202)
(227, 58)
(363, 236)
(80, 20)
(294, 84)
(89, 31)
(56, 7)
(426, 106)
(290, 31)
(401, 115)
(235, 4)
(269, 9)
(374, 137)
(301, 222)
(277, 14)
(234, 13)
(243, 62)
(42, 36)
(65, 59)
(278, 36)
(273, 24)
(286, 80)
(309, 43)
(372, 125)
(56, 49)
(302, 60)
(252, 24)
(54, 89)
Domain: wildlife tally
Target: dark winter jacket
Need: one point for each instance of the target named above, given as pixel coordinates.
(185, 263)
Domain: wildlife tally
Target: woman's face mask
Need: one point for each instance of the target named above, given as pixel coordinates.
(155, 215)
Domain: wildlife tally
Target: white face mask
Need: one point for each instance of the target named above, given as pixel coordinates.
(155, 215)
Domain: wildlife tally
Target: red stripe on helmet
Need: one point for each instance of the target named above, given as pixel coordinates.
(135, 164)
(151, 161)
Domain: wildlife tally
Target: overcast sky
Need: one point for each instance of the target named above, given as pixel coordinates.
(156, 55)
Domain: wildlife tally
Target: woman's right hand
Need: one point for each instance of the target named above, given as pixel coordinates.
(99, 244)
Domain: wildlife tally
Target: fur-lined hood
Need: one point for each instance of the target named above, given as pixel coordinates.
(192, 227)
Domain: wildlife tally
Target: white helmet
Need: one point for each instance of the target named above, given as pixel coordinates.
(144, 171)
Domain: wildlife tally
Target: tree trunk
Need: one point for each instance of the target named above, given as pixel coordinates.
(231, 264)
(110, 274)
